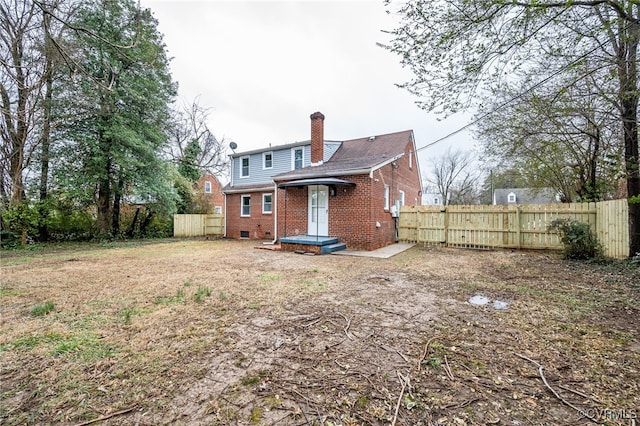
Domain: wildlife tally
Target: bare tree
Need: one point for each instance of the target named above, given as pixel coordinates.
(21, 81)
(29, 61)
(189, 127)
(453, 178)
(459, 49)
(564, 139)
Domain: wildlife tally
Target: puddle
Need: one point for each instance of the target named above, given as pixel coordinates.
(478, 300)
(500, 305)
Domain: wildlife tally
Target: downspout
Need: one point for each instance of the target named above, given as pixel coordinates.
(224, 233)
(275, 217)
(225, 195)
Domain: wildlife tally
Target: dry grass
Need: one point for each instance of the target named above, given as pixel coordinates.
(216, 332)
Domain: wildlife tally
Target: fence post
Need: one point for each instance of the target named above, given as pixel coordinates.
(519, 227)
(446, 226)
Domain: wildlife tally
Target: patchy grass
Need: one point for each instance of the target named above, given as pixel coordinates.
(42, 309)
(262, 337)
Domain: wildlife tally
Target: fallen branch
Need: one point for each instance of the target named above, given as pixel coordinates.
(402, 355)
(448, 369)
(346, 328)
(108, 416)
(424, 353)
(580, 393)
(553, 391)
(462, 404)
(404, 385)
(315, 321)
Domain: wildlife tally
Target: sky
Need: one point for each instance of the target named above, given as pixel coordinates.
(263, 67)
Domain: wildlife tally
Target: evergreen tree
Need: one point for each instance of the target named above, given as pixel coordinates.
(120, 111)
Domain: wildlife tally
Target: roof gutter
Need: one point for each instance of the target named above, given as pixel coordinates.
(384, 163)
(240, 190)
(325, 174)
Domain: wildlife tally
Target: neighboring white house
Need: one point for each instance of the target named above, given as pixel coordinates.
(525, 196)
(432, 199)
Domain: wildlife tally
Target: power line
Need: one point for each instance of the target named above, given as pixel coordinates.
(507, 102)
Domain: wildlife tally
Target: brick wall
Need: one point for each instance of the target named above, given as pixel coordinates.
(212, 199)
(354, 212)
(317, 137)
(259, 226)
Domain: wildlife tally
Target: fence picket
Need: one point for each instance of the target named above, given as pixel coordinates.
(197, 225)
(509, 226)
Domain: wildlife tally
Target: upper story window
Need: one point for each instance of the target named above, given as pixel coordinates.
(207, 187)
(511, 198)
(267, 160)
(401, 198)
(297, 157)
(386, 197)
(246, 206)
(244, 169)
(436, 201)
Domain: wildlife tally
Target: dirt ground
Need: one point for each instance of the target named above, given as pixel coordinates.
(221, 333)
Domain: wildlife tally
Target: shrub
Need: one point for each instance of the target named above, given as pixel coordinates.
(67, 222)
(19, 224)
(577, 239)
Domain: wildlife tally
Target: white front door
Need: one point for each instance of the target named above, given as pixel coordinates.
(318, 210)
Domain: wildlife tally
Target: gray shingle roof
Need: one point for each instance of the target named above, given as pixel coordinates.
(356, 156)
(525, 195)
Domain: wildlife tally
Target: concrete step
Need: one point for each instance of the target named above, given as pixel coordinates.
(332, 248)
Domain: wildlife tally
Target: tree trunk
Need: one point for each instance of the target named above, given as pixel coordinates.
(104, 208)
(630, 123)
(117, 197)
(629, 97)
(132, 228)
(45, 140)
(145, 223)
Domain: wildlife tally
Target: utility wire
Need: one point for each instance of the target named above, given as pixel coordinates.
(507, 102)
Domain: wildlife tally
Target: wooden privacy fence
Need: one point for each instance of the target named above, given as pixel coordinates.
(514, 226)
(198, 225)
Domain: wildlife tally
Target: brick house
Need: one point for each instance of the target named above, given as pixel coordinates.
(209, 194)
(321, 192)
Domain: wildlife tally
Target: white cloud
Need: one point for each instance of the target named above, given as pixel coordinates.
(264, 67)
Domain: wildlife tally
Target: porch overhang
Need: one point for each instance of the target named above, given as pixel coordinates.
(315, 181)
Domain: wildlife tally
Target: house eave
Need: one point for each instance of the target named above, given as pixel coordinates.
(246, 189)
(323, 174)
(389, 161)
